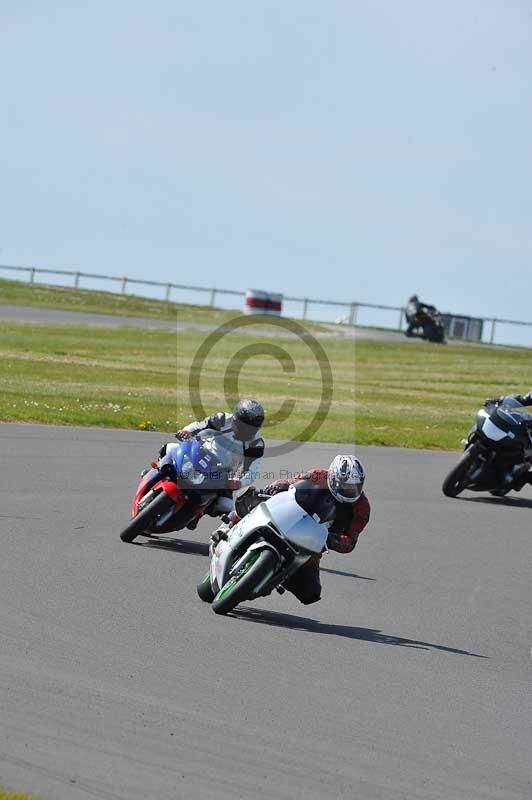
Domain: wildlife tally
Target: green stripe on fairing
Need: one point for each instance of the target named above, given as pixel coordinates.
(234, 580)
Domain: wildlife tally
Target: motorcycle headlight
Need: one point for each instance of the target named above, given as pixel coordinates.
(189, 474)
(187, 468)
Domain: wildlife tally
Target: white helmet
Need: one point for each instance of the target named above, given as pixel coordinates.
(345, 479)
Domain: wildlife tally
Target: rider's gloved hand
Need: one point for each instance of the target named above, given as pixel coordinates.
(247, 501)
(275, 487)
(216, 421)
(232, 519)
(182, 435)
(340, 542)
(492, 401)
(218, 535)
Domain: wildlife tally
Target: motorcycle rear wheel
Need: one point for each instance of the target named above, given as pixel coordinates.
(456, 480)
(240, 586)
(145, 518)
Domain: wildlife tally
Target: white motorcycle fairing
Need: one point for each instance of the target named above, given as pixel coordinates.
(301, 529)
(285, 518)
(490, 430)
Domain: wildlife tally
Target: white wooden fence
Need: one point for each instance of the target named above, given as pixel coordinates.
(348, 312)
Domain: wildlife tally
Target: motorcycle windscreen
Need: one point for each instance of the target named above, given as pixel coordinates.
(294, 522)
(509, 401)
(226, 454)
(222, 446)
(511, 417)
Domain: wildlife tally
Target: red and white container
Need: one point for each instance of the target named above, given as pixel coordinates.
(259, 302)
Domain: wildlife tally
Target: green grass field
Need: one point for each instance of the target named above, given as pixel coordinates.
(411, 395)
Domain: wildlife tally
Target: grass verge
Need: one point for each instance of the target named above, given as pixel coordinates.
(91, 301)
(406, 395)
(5, 795)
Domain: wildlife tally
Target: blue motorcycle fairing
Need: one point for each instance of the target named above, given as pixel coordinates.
(202, 459)
(190, 448)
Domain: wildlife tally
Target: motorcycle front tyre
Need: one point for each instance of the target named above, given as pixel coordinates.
(260, 564)
(455, 482)
(145, 518)
(204, 589)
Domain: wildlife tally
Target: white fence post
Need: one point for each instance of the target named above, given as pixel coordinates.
(353, 311)
(305, 308)
(76, 281)
(492, 334)
(213, 296)
(401, 315)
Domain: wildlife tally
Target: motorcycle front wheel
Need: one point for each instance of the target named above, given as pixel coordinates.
(204, 589)
(145, 518)
(260, 564)
(456, 480)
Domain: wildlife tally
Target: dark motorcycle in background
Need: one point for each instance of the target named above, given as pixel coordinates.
(177, 489)
(427, 324)
(498, 451)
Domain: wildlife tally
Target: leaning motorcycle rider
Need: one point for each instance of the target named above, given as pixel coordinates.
(343, 481)
(413, 310)
(520, 474)
(237, 437)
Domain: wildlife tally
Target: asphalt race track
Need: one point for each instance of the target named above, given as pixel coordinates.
(410, 679)
(58, 316)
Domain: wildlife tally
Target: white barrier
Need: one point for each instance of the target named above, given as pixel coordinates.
(259, 302)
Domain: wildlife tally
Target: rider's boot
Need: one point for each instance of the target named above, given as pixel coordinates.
(517, 477)
(522, 480)
(217, 536)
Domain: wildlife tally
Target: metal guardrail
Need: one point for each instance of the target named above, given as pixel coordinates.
(125, 281)
(352, 308)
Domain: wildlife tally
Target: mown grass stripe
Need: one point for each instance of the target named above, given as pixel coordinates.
(405, 394)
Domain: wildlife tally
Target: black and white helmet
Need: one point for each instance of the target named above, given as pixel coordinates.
(345, 479)
(248, 416)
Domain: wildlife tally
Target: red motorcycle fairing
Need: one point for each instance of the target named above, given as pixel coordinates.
(153, 481)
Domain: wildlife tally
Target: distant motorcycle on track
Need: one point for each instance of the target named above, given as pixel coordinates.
(178, 489)
(428, 324)
(498, 452)
(265, 547)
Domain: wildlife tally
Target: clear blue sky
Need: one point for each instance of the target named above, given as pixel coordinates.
(357, 150)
